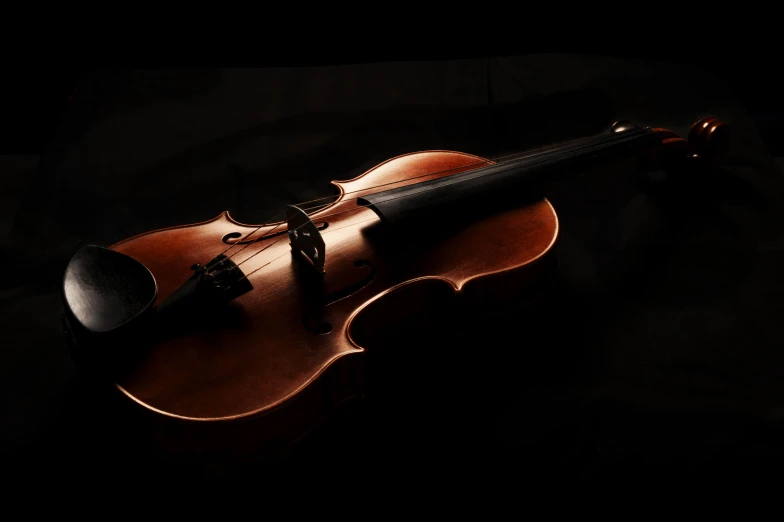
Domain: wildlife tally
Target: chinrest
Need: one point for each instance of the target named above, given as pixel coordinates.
(103, 293)
(104, 289)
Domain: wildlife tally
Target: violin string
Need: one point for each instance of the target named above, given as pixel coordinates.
(500, 159)
(281, 238)
(268, 221)
(354, 209)
(239, 241)
(287, 252)
(249, 243)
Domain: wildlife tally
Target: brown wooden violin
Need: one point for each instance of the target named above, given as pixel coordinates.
(225, 331)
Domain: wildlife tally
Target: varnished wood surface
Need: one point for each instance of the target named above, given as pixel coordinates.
(264, 357)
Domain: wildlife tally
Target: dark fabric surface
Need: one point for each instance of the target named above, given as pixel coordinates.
(660, 351)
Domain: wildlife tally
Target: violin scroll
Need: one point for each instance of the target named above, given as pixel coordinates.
(708, 139)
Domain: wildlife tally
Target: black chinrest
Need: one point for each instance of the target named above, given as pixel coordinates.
(109, 301)
(104, 289)
(104, 292)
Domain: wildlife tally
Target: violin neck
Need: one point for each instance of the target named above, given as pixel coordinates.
(490, 185)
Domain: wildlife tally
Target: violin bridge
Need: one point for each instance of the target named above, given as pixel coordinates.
(305, 237)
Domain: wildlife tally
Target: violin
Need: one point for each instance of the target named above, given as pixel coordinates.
(221, 331)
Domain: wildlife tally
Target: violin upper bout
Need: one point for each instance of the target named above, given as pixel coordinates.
(407, 169)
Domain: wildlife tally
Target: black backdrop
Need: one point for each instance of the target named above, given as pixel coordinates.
(659, 353)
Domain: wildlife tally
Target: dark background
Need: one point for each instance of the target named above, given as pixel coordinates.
(659, 355)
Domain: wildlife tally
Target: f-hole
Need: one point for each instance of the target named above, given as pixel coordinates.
(231, 237)
(319, 296)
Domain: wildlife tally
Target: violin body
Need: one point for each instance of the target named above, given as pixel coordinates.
(288, 352)
(301, 309)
